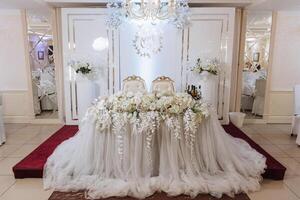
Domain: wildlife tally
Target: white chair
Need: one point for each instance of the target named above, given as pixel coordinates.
(163, 85)
(134, 84)
(296, 117)
(36, 100)
(246, 102)
(2, 130)
(259, 99)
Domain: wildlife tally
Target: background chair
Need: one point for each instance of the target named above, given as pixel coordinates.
(2, 130)
(296, 117)
(259, 97)
(134, 84)
(164, 85)
(246, 103)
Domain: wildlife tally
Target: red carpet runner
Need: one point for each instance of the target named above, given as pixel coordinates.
(32, 165)
(275, 170)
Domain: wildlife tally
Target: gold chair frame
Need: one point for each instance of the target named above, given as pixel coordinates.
(163, 79)
(134, 78)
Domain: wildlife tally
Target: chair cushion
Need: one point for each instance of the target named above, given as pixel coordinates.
(134, 86)
(163, 87)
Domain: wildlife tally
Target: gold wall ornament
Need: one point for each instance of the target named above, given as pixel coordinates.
(148, 41)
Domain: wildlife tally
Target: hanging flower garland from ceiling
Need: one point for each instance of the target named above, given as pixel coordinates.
(175, 12)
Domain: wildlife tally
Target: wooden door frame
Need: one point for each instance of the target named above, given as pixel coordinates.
(58, 77)
(269, 69)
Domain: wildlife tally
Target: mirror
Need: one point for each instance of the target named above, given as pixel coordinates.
(42, 65)
(256, 61)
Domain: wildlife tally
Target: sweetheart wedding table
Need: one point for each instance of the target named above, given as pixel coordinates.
(136, 145)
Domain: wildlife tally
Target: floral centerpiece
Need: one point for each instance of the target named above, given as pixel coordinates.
(84, 68)
(134, 108)
(145, 113)
(211, 67)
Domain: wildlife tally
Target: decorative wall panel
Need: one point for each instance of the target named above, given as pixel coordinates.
(84, 38)
(211, 36)
(166, 62)
(168, 51)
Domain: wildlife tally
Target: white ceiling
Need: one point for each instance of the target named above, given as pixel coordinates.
(41, 5)
(38, 7)
(8, 4)
(275, 5)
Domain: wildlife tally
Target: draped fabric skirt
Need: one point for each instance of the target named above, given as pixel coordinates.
(105, 164)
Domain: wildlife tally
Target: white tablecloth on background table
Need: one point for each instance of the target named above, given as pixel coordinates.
(2, 130)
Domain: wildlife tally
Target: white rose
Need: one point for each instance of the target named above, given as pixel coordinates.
(152, 106)
(130, 94)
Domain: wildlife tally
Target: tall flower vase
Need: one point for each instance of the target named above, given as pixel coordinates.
(86, 93)
(209, 87)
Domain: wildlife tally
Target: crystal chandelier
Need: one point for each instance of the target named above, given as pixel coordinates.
(173, 11)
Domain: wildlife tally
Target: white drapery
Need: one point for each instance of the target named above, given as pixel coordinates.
(92, 161)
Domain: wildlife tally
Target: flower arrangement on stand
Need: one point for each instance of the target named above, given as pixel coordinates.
(212, 66)
(84, 69)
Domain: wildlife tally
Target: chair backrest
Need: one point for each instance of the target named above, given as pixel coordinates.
(164, 85)
(134, 84)
(297, 99)
(260, 87)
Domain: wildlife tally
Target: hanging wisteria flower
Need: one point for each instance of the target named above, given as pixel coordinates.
(146, 113)
(212, 66)
(137, 105)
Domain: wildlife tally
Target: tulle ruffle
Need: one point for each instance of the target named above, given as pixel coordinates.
(217, 164)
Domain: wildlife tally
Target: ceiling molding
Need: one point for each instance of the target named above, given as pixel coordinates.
(193, 3)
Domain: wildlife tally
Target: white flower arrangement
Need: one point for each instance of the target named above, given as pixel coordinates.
(145, 114)
(135, 105)
(84, 68)
(212, 66)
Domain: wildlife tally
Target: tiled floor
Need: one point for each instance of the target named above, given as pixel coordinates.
(23, 138)
(47, 115)
(276, 139)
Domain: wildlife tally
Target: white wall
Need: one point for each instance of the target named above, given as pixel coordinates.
(286, 59)
(13, 74)
(81, 27)
(285, 66)
(12, 58)
(167, 62)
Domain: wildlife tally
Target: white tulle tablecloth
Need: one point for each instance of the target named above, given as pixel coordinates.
(106, 164)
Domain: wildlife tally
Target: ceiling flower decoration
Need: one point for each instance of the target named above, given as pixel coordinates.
(175, 12)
